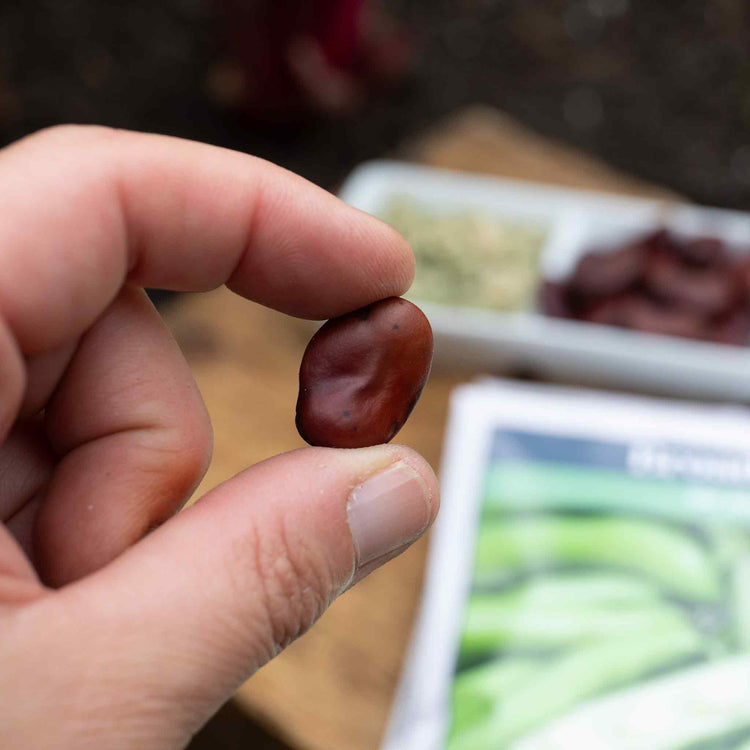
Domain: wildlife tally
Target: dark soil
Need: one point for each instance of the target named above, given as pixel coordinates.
(661, 89)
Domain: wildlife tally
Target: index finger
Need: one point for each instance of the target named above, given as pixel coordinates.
(87, 208)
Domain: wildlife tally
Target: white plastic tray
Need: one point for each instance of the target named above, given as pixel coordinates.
(577, 221)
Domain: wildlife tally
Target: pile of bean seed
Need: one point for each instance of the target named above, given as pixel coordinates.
(660, 283)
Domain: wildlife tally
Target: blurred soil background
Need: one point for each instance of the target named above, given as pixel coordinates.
(661, 90)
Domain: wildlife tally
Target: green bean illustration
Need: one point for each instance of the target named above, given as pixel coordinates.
(669, 557)
(678, 710)
(741, 601)
(581, 588)
(728, 543)
(576, 676)
(476, 691)
(496, 621)
(736, 739)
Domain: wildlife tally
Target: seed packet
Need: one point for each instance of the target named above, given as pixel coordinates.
(588, 583)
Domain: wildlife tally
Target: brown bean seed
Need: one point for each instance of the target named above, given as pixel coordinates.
(599, 274)
(554, 299)
(702, 251)
(362, 373)
(707, 290)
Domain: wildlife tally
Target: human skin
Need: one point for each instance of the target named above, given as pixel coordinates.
(124, 623)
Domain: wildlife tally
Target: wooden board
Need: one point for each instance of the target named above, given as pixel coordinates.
(333, 688)
(485, 140)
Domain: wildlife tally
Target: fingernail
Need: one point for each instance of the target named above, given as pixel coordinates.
(387, 511)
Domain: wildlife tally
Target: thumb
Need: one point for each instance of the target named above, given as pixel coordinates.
(202, 602)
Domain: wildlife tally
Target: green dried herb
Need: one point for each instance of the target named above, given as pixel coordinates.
(469, 258)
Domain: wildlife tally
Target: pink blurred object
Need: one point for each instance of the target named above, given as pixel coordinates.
(291, 58)
(335, 26)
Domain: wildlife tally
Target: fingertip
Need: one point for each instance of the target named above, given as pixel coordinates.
(427, 476)
(393, 506)
(407, 260)
(400, 249)
(411, 516)
(333, 259)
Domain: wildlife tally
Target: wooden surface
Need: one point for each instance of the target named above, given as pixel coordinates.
(484, 140)
(332, 689)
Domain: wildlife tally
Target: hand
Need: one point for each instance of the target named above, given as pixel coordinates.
(120, 628)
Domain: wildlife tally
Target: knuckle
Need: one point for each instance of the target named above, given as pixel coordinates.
(184, 458)
(171, 465)
(195, 449)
